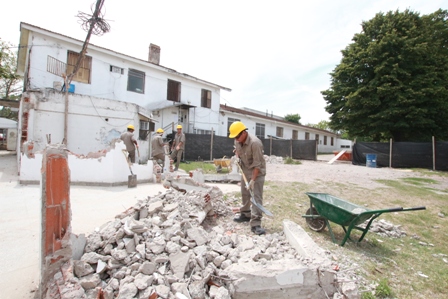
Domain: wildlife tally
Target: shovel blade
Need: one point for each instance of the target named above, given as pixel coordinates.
(263, 209)
(132, 181)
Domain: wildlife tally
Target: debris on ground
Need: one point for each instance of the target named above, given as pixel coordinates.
(175, 246)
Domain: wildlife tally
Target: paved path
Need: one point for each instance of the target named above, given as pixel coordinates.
(20, 221)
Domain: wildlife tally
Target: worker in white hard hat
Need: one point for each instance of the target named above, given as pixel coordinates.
(130, 142)
(177, 148)
(157, 145)
(249, 150)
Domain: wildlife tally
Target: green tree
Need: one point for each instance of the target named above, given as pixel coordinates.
(294, 118)
(392, 81)
(10, 87)
(323, 125)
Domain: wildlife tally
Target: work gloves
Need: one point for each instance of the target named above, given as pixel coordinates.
(251, 185)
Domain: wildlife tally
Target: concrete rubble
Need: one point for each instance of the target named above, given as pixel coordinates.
(175, 246)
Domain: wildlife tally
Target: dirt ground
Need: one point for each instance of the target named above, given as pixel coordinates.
(341, 172)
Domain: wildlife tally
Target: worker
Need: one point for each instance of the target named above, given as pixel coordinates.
(130, 142)
(177, 148)
(249, 151)
(157, 145)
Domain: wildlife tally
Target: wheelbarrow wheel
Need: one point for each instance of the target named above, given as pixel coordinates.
(315, 224)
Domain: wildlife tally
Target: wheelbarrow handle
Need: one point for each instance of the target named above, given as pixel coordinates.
(397, 209)
(415, 208)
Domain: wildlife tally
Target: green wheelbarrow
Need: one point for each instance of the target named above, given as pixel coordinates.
(325, 207)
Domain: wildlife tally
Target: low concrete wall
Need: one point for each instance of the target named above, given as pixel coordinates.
(107, 168)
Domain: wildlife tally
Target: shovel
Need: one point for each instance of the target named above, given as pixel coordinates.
(132, 178)
(138, 151)
(252, 198)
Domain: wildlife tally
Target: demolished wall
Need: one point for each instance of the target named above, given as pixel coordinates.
(103, 168)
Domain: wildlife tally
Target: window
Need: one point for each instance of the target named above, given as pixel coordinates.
(116, 69)
(173, 93)
(295, 134)
(317, 137)
(307, 136)
(259, 130)
(229, 122)
(332, 141)
(206, 98)
(203, 132)
(145, 128)
(325, 140)
(136, 81)
(279, 132)
(83, 73)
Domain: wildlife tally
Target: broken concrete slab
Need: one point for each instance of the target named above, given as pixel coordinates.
(303, 243)
(280, 279)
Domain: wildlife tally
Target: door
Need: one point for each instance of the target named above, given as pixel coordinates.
(11, 141)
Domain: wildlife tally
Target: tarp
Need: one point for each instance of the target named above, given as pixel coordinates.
(6, 123)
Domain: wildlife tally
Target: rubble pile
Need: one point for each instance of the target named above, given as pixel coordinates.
(168, 247)
(387, 229)
(273, 159)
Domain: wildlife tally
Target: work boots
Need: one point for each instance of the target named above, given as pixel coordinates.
(241, 218)
(258, 230)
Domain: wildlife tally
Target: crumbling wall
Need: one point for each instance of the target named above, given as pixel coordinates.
(103, 168)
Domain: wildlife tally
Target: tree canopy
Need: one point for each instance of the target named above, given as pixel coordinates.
(392, 81)
(293, 118)
(9, 80)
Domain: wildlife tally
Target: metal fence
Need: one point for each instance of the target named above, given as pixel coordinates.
(209, 147)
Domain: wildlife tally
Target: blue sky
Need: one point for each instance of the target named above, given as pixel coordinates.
(274, 55)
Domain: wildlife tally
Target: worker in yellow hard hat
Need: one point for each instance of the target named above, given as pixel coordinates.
(177, 148)
(130, 142)
(249, 150)
(157, 145)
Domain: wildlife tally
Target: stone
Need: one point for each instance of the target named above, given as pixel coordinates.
(162, 291)
(198, 235)
(82, 268)
(143, 281)
(179, 262)
(147, 268)
(90, 281)
(127, 291)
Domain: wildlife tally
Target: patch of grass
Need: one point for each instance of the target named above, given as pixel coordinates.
(419, 181)
(383, 290)
(207, 167)
(289, 160)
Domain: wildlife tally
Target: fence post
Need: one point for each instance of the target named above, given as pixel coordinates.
(390, 153)
(270, 146)
(433, 153)
(290, 148)
(211, 146)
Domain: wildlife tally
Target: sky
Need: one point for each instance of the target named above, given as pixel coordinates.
(275, 56)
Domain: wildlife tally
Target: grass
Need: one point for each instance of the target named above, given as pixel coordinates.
(207, 167)
(407, 267)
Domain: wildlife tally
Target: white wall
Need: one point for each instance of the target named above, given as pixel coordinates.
(93, 123)
(271, 129)
(108, 169)
(108, 85)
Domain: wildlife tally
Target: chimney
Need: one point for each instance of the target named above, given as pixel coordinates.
(154, 54)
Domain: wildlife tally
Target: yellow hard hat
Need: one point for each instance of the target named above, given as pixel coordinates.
(159, 130)
(179, 126)
(236, 128)
(131, 127)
